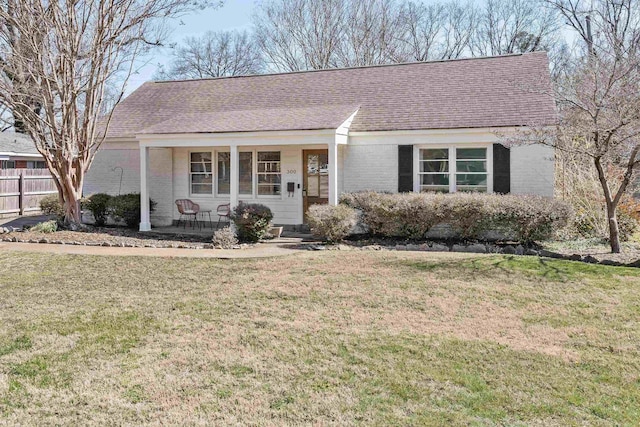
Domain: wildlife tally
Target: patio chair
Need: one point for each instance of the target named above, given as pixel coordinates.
(188, 209)
(223, 211)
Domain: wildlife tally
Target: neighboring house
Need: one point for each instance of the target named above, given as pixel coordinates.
(18, 151)
(294, 139)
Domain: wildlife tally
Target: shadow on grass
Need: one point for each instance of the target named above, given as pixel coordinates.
(505, 265)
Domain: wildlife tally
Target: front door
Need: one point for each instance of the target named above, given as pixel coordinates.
(316, 178)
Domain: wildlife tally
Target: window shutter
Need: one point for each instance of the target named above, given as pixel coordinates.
(405, 168)
(501, 169)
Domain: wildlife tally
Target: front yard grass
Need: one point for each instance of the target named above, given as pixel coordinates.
(371, 338)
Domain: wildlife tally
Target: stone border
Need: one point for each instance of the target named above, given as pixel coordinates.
(4, 231)
(483, 248)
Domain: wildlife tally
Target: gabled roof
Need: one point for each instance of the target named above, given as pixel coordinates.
(17, 144)
(510, 90)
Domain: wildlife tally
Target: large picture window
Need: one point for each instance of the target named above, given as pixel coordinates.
(201, 173)
(453, 169)
(267, 165)
(269, 174)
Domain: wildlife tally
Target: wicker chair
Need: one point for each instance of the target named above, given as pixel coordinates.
(188, 209)
(223, 211)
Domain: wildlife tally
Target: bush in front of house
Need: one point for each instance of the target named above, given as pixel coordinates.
(126, 207)
(470, 215)
(45, 227)
(224, 238)
(50, 205)
(332, 223)
(100, 207)
(252, 221)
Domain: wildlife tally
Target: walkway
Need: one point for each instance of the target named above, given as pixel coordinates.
(260, 251)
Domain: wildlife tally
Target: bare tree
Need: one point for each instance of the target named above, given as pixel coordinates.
(61, 56)
(514, 26)
(298, 35)
(598, 101)
(438, 30)
(215, 54)
(372, 34)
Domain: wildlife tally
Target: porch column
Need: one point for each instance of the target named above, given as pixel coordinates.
(145, 216)
(235, 176)
(333, 173)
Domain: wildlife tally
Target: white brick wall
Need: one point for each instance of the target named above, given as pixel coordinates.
(286, 209)
(370, 167)
(532, 170)
(103, 179)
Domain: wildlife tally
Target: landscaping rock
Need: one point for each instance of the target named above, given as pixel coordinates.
(519, 250)
(635, 264)
(574, 257)
(610, 262)
(509, 250)
(549, 254)
(475, 248)
(401, 248)
(43, 241)
(531, 252)
(590, 259)
(313, 248)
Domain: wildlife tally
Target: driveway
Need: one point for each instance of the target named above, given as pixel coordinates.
(22, 221)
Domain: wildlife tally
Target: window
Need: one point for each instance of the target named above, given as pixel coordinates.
(434, 170)
(471, 169)
(7, 164)
(224, 173)
(246, 173)
(36, 164)
(453, 169)
(269, 175)
(201, 173)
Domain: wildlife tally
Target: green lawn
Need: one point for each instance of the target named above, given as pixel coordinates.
(371, 338)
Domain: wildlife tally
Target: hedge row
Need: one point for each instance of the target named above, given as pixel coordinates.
(124, 207)
(470, 215)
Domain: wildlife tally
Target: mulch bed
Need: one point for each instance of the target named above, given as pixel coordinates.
(114, 237)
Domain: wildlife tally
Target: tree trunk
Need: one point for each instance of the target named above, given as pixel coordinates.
(71, 199)
(614, 231)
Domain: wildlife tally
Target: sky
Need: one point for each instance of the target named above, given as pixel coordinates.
(234, 15)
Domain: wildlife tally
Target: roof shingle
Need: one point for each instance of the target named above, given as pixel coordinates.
(509, 90)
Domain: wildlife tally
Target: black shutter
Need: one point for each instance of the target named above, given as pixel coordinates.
(501, 169)
(405, 168)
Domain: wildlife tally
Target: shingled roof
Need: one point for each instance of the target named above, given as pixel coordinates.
(17, 144)
(510, 90)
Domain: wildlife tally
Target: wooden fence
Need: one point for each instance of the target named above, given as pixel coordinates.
(22, 189)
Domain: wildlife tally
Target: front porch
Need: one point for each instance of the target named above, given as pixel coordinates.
(286, 171)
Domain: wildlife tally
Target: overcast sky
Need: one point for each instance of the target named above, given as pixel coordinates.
(235, 14)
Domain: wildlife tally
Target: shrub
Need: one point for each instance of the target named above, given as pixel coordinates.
(252, 221)
(45, 227)
(471, 215)
(50, 205)
(225, 238)
(100, 206)
(126, 207)
(332, 223)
